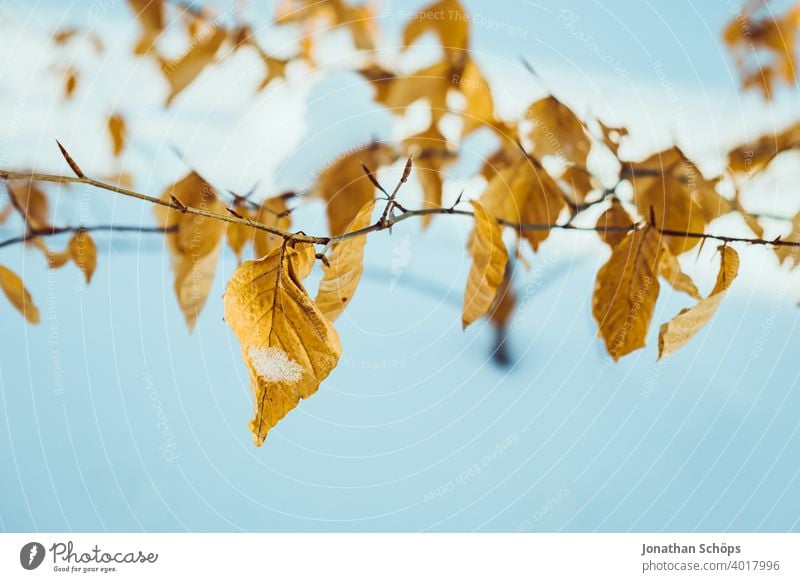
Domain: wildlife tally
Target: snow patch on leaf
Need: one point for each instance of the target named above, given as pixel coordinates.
(274, 365)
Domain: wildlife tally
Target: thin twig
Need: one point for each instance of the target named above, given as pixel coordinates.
(378, 226)
(56, 230)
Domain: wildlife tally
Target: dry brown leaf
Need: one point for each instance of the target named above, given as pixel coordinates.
(431, 152)
(750, 158)
(670, 269)
(326, 14)
(448, 20)
(70, 82)
(118, 131)
(341, 278)
(786, 254)
(18, 295)
(275, 213)
(346, 188)
(557, 131)
(525, 194)
(195, 246)
(670, 198)
(489, 259)
(479, 111)
(239, 235)
(288, 345)
(396, 93)
(615, 216)
(181, 72)
(83, 252)
(579, 184)
(31, 202)
(150, 14)
(626, 291)
(612, 136)
(676, 333)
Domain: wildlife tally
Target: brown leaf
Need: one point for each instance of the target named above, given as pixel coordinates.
(346, 188)
(341, 278)
(676, 333)
(31, 202)
(431, 152)
(612, 136)
(239, 235)
(181, 72)
(557, 131)
(118, 131)
(70, 82)
(83, 252)
(671, 270)
(150, 14)
(288, 345)
(448, 20)
(525, 193)
(489, 258)
(18, 295)
(273, 212)
(615, 216)
(626, 291)
(195, 245)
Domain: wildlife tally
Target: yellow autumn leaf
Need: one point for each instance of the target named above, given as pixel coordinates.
(31, 202)
(239, 235)
(557, 131)
(181, 72)
(676, 333)
(150, 14)
(525, 193)
(273, 212)
(118, 131)
(489, 258)
(448, 20)
(626, 291)
(614, 217)
(83, 253)
(195, 246)
(346, 188)
(670, 269)
(341, 278)
(288, 345)
(18, 295)
(431, 152)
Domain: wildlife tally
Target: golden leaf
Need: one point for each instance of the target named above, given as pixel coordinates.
(489, 258)
(346, 188)
(18, 295)
(273, 212)
(181, 72)
(671, 270)
(358, 19)
(116, 127)
(306, 257)
(396, 93)
(612, 136)
(239, 235)
(195, 245)
(626, 291)
(431, 152)
(676, 333)
(479, 110)
(525, 193)
(615, 216)
(341, 278)
(70, 82)
(150, 14)
(787, 254)
(557, 131)
(448, 20)
(579, 182)
(751, 158)
(83, 253)
(668, 198)
(288, 345)
(31, 203)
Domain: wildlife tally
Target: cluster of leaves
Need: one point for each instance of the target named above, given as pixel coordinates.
(537, 179)
(764, 45)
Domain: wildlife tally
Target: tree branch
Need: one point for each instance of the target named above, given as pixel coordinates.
(53, 231)
(382, 224)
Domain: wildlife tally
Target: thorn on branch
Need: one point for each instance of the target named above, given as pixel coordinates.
(181, 206)
(74, 166)
(324, 259)
(233, 212)
(373, 179)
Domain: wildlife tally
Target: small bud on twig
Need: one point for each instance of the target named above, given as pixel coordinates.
(70, 161)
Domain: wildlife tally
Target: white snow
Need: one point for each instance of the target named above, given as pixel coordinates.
(274, 365)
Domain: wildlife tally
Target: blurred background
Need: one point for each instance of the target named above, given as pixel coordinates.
(114, 418)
